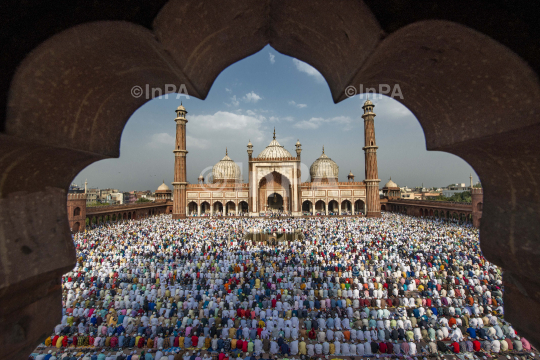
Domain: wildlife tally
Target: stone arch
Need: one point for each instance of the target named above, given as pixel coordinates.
(230, 208)
(346, 207)
(129, 216)
(205, 207)
(354, 49)
(77, 211)
(320, 207)
(114, 217)
(243, 207)
(192, 208)
(359, 207)
(333, 207)
(307, 207)
(431, 212)
(218, 208)
(479, 206)
(276, 183)
(76, 227)
(383, 207)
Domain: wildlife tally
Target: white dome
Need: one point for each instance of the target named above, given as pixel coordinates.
(390, 184)
(226, 169)
(323, 167)
(274, 150)
(163, 187)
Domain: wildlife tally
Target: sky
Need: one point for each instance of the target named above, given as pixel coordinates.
(245, 103)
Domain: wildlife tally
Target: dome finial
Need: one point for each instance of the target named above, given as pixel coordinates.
(226, 152)
(274, 133)
(323, 149)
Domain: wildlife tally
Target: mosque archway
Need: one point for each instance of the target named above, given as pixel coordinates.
(243, 207)
(346, 207)
(205, 207)
(218, 208)
(307, 207)
(383, 207)
(274, 192)
(359, 207)
(320, 207)
(230, 208)
(76, 227)
(275, 202)
(192, 208)
(77, 211)
(333, 207)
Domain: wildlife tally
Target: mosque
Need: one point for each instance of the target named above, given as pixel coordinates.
(274, 183)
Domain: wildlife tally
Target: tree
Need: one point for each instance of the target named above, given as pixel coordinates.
(142, 200)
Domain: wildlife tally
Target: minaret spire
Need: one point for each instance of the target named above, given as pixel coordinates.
(323, 149)
(274, 133)
(373, 204)
(180, 152)
(226, 152)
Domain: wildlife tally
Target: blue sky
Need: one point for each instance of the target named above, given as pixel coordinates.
(246, 102)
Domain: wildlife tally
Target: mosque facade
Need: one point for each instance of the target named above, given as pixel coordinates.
(274, 181)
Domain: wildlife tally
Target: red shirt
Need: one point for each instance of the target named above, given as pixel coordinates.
(476, 345)
(239, 344)
(194, 340)
(455, 347)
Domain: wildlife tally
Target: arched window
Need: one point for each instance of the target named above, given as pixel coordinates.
(479, 206)
(77, 211)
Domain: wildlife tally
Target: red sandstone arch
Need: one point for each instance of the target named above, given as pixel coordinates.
(230, 208)
(359, 206)
(320, 206)
(307, 207)
(450, 72)
(243, 207)
(347, 206)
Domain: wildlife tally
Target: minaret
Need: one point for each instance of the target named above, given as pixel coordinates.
(470, 177)
(373, 207)
(86, 186)
(179, 184)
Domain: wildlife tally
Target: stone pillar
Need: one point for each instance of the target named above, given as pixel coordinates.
(326, 205)
(211, 209)
(373, 206)
(180, 152)
(199, 209)
(477, 195)
(339, 207)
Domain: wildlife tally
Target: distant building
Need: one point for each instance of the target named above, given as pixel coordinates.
(163, 192)
(455, 189)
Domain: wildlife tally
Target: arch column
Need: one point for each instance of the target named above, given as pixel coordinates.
(199, 209)
(339, 207)
(326, 205)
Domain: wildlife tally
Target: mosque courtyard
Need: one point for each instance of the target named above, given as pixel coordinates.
(272, 288)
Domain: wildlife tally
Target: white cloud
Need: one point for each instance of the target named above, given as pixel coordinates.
(308, 69)
(251, 97)
(314, 123)
(279, 119)
(228, 90)
(198, 143)
(300, 106)
(272, 58)
(234, 102)
(161, 140)
(223, 126)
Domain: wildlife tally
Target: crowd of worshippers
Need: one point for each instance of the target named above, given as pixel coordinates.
(199, 289)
